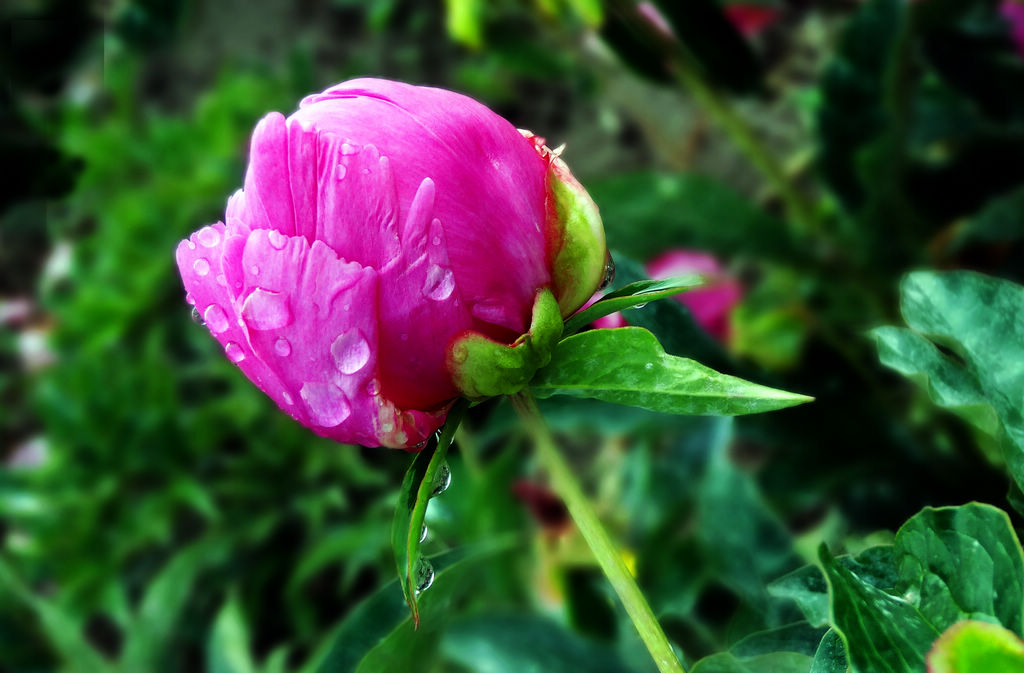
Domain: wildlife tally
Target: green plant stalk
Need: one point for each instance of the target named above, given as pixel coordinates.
(687, 72)
(608, 557)
(800, 211)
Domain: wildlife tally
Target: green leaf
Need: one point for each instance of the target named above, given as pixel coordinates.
(464, 20)
(807, 585)
(164, 600)
(228, 648)
(882, 632)
(831, 655)
(511, 643)
(418, 487)
(628, 366)
(966, 345)
(672, 323)
(646, 213)
(62, 632)
(381, 626)
(739, 531)
(776, 662)
(953, 563)
(977, 647)
(799, 637)
(962, 563)
(1000, 221)
(633, 295)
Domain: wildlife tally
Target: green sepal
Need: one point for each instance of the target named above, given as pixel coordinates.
(481, 367)
(974, 646)
(579, 264)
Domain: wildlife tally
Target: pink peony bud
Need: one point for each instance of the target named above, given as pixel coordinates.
(379, 226)
(710, 305)
(1013, 12)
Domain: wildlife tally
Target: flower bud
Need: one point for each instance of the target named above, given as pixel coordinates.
(381, 227)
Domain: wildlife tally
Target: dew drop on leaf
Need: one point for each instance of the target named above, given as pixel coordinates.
(423, 575)
(609, 274)
(442, 480)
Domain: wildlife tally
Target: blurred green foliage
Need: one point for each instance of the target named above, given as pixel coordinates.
(157, 513)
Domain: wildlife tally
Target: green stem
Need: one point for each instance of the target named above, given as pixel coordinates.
(608, 557)
(800, 211)
(688, 72)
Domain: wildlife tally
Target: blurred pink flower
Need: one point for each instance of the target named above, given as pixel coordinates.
(751, 19)
(377, 224)
(654, 16)
(712, 305)
(1013, 12)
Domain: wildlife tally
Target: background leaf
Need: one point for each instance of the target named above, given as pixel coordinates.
(966, 339)
(510, 643)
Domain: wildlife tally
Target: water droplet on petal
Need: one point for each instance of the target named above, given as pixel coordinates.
(373, 388)
(265, 310)
(609, 273)
(208, 236)
(350, 351)
(191, 245)
(365, 171)
(234, 352)
(436, 240)
(287, 398)
(254, 270)
(439, 283)
(423, 533)
(282, 347)
(201, 266)
(221, 280)
(197, 317)
(216, 319)
(189, 299)
(326, 403)
(442, 480)
(277, 239)
(348, 150)
(342, 171)
(423, 575)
